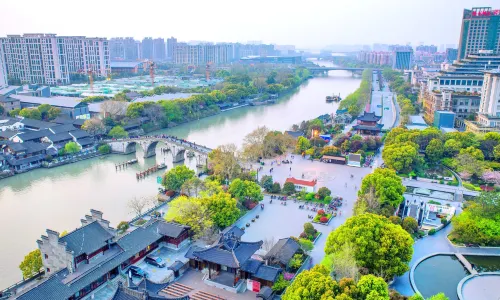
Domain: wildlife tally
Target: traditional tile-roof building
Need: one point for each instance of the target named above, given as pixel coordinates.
(282, 252)
(303, 185)
(84, 259)
(368, 124)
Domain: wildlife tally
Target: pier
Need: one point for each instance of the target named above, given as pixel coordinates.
(150, 171)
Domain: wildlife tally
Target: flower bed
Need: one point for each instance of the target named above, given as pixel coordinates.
(323, 219)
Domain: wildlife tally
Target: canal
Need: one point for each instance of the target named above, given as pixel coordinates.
(58, 198)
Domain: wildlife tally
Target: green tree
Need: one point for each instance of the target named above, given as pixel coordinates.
(496, 152)
(400, 157)
(330, 150)
(314, 284)
(410, 225)
(191, 212)
(474, 152)
(395, 220)
(266, 182)
(245, 190)
(15, 112)
(135, 110)
(324, 192)
(452, 147)
(372, 287)
(381, 247)
(31, 264)
(175, 178)
(118, 132)
(276, 188)
(222, 209)
(309, 229)
(440, 296)
(388, 187)
(306, 245)
(71, 148)
(104, 149)
(223, 162)
(342, 263)
(302, 145)
(288, 188)
(2, 110)
(193, 186)
(31, 113)
(434, 150)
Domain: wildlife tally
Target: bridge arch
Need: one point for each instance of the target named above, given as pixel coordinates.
(150, 149)
(130, 147)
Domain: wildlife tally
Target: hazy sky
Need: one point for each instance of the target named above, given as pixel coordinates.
(306, 24)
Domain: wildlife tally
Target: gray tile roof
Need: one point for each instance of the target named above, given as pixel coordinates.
(85, 141)
(78, 134)
(33, 135)
(176, 266)
(265, 293)
(369, 117)
(267, 273)
(131, 243)
(7, 134)
(251, 265)
(232, 257)
(27, 160)
(295, 134)
(86, 239)
(283, 250)
(62, 128)
(171, 229)
(32, 147)
(189, 253)
(59, 137)
(233, 231)
(36, 124)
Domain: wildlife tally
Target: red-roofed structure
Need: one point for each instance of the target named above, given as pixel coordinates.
(303, 185)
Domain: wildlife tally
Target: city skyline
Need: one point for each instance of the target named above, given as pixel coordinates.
(312, 27)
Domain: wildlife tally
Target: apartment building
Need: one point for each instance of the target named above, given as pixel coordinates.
(480, 31)
(199, 54)
(124, 49)
(488, 118)
(159, 50)
(3, 69)
(51, 60)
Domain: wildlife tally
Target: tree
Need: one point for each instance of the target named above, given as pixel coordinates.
(260, 83)
(191, 212)
(135, 110)
(71, 148)
(276, 188)
(474, 152)
(324, 192)
(277, 143)
(410, 225)
(192, 187)
(280, 285)
(155, 113)
(118, 132)
(222, 209)
(468, 163)
(309, 229)
(137, 205)
(176, 177)
(388, 187)
(245, 190)
(395, 220)
(496, 152)
(266, 182)
(253, 143)
(31, 264)
(342, 264)
(330, 150)
(491, 177)
(2, 110)
(306, 245)
(31, 113)
(452, 147)
(223, 161)
(94, 126)
(434, 150)
(302, 145)
(381, 247)
(372, 287)
(400, 157)
(113, 109)
(288, 188)
(14, 113)
(104, 149)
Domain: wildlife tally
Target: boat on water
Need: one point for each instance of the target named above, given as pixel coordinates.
(161, 166)
(265, 102)
(132, 161)
(334, 98)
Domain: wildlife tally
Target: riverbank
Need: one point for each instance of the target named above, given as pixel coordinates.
(57, 198)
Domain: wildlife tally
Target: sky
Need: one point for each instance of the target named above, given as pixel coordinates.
(310, 24)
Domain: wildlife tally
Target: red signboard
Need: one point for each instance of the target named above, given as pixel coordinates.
(486, 13)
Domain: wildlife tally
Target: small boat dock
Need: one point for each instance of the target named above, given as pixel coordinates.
(125, 164)
(150, 171)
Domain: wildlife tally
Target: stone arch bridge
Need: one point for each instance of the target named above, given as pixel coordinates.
(179, 148)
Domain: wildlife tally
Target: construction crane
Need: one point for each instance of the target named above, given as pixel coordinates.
(207, 70)
(152, 67)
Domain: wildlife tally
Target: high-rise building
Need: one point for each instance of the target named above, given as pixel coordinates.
(488, 118)
(50, 59)
(171, 42)
(402, 59)
(159, 49)
(199, 54)
(3, 68)
(147, 48)
(123, 49)
(427, 48)
(451, 54)
(480, 31)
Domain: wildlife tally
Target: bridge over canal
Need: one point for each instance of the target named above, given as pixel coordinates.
(324, 70)
(178, 147)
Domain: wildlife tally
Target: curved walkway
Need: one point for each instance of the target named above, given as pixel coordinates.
(429, 245)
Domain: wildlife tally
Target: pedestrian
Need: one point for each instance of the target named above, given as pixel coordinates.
(345, 184)
(290, 169)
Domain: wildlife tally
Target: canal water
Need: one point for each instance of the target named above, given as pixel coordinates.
(58, 198)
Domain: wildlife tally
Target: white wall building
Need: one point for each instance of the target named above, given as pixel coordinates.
(303, 185)
(490, 95)
(51, 60)
(3, 68)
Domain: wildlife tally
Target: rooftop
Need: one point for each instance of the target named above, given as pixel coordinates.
(369, 117)
(59, 101)
(283, 251)
(86, 239)
(301, 182)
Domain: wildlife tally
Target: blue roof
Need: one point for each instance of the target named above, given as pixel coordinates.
(86, 239)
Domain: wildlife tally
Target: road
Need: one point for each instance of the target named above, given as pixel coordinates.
(382, 104)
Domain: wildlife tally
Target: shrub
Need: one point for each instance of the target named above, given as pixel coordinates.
(328, 199)
(444, 221)
(280, 285)
(310, 196)
(323, 219)
(432, 231)
(309, 229)
(104, 149)
(123, 226)
(276, 188)
(321, 212)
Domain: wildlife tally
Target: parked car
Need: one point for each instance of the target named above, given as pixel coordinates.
(137, 272)
(154, 261)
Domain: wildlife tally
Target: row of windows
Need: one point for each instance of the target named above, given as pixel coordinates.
(460, 82)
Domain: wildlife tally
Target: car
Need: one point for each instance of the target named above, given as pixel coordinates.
(154, 261)
(379, 106)
(137, 272)
(386, 108)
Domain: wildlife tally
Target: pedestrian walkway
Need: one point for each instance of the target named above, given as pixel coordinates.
(466, 263)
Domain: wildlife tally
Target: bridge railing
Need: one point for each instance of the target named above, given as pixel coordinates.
(166, 137)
